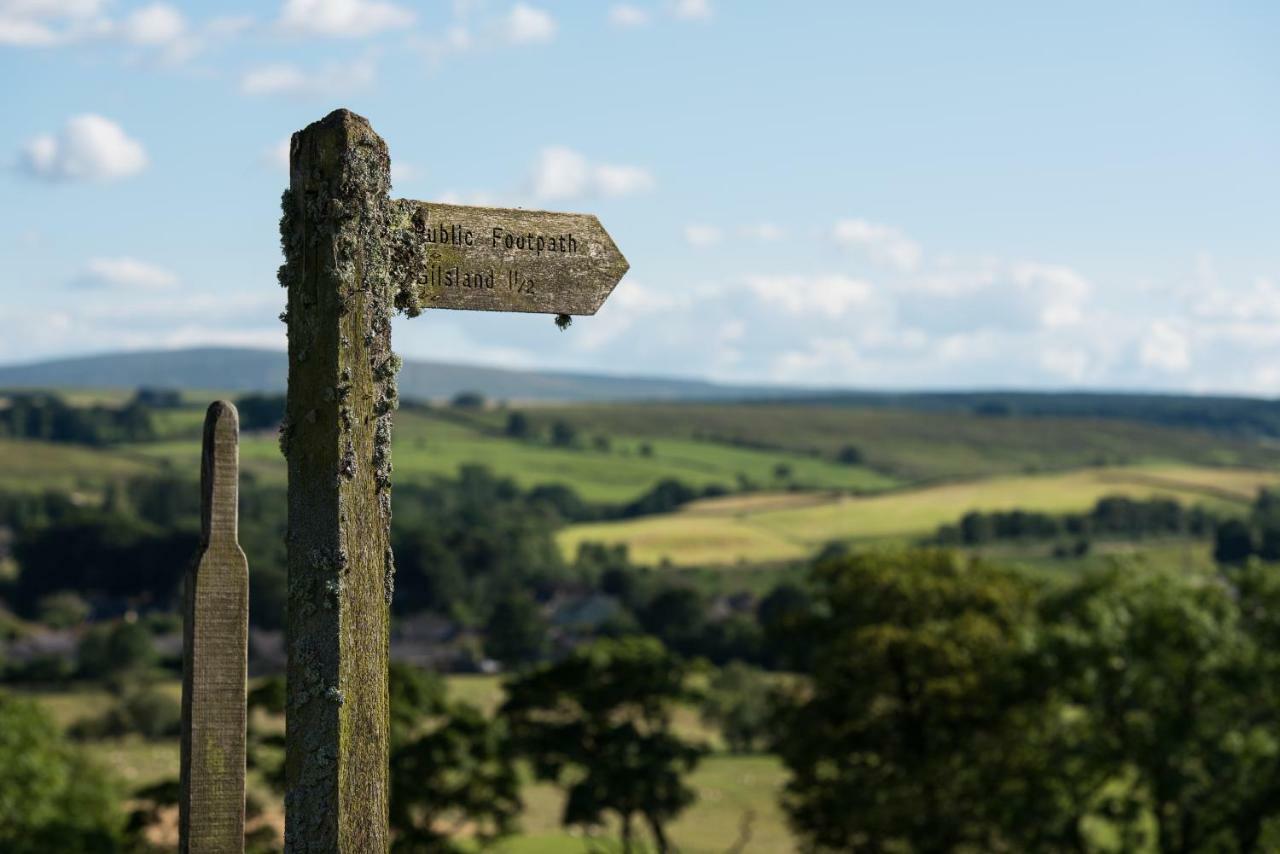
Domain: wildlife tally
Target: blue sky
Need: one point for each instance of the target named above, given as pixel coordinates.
(828, 193)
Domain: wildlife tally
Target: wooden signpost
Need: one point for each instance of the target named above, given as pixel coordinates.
(215, 638)
(353, 258)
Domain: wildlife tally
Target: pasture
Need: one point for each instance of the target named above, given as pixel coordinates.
(737, 529)
(737, 795)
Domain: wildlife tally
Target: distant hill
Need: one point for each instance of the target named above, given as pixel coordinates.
(244, 370)
(236, 370)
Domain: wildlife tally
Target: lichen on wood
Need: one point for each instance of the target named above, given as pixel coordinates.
(337, 443)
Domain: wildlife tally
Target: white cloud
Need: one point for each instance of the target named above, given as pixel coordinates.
(275, 79)
(126, 273)
(824, 361)
(1261, 301)
(163, 28)
(1060, 292)
(88, 148)
(831, 296)
(287, 79)
(884, 244)
(562, 173)
(157, 24)
(621, 180)
(343, 18)
(628, 16)
(526, 24)
(626, 306)
(1165, 348)
(765, 232)
(1070, 363)
(701, 235)
(456, 39)
(691, 10)
(43, 23)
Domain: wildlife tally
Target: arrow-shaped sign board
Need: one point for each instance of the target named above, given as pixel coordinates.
(501, 259)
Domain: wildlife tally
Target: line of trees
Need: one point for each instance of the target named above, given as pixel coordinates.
(49, 418)
(1113, 516)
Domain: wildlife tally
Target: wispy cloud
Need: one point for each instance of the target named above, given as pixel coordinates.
(283, 78)
(45, 23)
(883, 243)
(563, 173)
(700, 235)
(87, 148)
(526, 24)
(692, 10)
(343, 18)
(627, 16)
(124, 273)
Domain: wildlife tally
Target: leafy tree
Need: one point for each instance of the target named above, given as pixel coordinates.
(783, 615)
(518, 426)
(63, 610)
(142, 710)
(260, 411)
(563, 434)
(566, 503)
(104, 554)
(599, 723)
(1233, 542)
(109, 650)
(676, 615)
(415, 695)
(849, 455)
(459, 775)
(1176, 679)
(516, 632)
(468, 400)
(665, 496)
(901, 742)
(461, 544)
(51, 797)
(736, 701)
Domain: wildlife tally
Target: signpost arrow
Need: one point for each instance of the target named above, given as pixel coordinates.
(500, 259)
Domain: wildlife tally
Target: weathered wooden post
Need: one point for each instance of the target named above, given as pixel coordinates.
(215, 639)
(353, 256)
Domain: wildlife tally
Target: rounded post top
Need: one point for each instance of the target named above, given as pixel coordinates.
(220, 471)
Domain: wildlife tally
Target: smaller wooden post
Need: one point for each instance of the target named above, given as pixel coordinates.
(215, 654)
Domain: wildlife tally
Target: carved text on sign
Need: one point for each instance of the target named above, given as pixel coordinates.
(501, 259)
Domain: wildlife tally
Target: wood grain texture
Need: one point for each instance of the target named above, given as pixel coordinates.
(501, 259)
(337, 440)
(215, 643)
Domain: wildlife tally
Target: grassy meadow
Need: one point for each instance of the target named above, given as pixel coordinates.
(734, 530)
(737, 794)
(787, 481)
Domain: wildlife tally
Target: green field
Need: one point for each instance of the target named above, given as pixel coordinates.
(736, 447)
(760, 528)
(917, 446)
(431, 445)
(731, 789)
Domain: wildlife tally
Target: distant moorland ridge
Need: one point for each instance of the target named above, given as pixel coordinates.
(235, 370)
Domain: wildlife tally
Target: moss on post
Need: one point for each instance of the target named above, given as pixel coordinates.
(336, 437)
